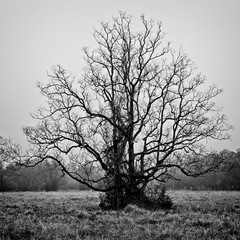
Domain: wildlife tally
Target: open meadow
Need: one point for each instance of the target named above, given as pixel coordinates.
(76, 215)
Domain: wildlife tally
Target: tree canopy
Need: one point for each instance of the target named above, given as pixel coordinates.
(139, 112)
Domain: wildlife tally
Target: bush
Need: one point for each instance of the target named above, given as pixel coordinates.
(158, 197)
(154, 197)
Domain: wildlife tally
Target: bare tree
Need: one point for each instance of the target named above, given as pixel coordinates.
(139, 112)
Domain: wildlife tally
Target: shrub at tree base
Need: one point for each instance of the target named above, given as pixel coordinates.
(155, 197)
(158, 197)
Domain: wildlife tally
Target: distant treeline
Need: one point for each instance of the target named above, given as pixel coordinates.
(48, 177)
(228, 178)
(43, 177)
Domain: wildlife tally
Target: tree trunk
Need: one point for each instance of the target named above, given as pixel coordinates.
(122, 195)
(134, 194)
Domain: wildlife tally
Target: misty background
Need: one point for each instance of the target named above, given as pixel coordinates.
(38, 34)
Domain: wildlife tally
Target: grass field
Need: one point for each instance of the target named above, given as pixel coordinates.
(76, 215)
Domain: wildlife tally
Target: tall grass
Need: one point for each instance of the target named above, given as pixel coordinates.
(76, 215)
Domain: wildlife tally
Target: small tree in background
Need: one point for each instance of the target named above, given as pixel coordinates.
(139, 112)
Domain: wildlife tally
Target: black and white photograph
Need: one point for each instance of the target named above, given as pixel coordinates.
(119, 119)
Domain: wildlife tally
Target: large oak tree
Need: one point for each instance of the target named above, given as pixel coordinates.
(139, 112)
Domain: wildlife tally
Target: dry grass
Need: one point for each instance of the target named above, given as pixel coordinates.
(76, 215)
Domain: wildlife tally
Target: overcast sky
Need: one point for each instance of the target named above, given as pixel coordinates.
(38, 34)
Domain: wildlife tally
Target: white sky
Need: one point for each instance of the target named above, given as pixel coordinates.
(38, 34)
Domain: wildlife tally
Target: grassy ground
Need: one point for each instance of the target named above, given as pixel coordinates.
(76, 215)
